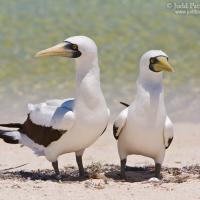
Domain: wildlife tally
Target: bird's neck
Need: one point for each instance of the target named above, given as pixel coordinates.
(151, 81)
(88, 90)
(150, 86)
(85, 66)
(150, 99)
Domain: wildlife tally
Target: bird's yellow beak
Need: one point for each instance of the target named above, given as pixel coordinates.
(57, 50)
(163, 65)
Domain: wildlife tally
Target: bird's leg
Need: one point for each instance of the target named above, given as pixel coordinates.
(123, 167)
(80, 165)
(157, 170)
(79, 161)
(56, 169)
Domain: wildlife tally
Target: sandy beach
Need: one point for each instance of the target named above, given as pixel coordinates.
(23, 175)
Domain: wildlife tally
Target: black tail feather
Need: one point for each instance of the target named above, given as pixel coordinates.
(125, 104)
(9, 137)
(12, 125)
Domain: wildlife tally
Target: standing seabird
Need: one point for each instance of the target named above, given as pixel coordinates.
(144, 128)
(55, 127)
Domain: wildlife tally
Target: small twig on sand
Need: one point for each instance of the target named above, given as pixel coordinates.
(7, 169)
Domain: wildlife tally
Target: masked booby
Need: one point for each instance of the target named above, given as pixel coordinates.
(55, 127)
(144, 128)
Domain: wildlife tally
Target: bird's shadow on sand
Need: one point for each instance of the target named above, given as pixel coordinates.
(168, 174)
(133, 174)
(43, 175)
(105, 172)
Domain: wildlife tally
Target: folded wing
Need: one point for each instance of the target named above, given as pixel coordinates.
(168, 132)
(120, 123)
(57, 114)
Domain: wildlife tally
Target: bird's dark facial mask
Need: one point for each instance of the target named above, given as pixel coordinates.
(74, 48)
(64, 49)
(160, 63)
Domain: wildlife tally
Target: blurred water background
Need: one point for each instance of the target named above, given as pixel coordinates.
(123, 31)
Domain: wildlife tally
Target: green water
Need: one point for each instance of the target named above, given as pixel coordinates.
(123, 31)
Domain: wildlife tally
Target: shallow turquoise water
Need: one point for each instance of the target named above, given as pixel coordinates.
(123, 30)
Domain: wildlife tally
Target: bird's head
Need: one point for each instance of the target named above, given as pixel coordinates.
(152, 64)
(72, 47)
(155, 61)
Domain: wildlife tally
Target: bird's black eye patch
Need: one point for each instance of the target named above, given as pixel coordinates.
(153, 60)
(67, 45)
(74, 48)
(71, 46)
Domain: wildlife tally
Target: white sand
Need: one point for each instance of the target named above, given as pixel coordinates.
(184, 151)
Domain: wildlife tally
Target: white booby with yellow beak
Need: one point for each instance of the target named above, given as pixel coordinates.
(144, 128)
(56, 127)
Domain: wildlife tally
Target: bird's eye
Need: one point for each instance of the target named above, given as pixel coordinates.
(153, 60)
(74, 47)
